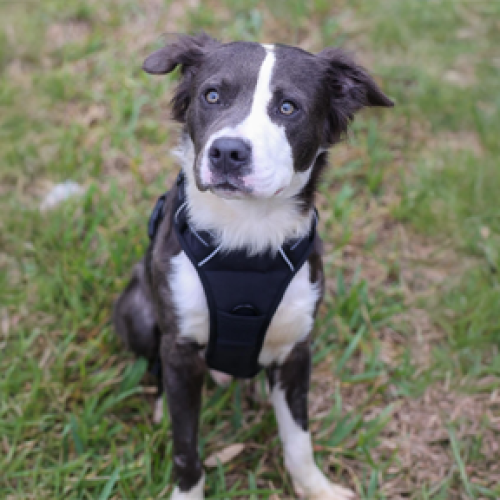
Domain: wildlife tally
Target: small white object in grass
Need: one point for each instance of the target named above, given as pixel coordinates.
(222, 379)
(59, 193)
(225, 455)
(158, 410)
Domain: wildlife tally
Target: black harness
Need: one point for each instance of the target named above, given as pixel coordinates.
(242, 291)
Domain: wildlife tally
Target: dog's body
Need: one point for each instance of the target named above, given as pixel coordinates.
(258, 121)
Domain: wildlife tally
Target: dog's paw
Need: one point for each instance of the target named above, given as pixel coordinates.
(195, 493)
(333, 492)
(325, 491)
(181, 495)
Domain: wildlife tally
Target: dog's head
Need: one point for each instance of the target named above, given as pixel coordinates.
(260, 115)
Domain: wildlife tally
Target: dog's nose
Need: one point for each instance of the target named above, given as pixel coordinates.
(229, 154)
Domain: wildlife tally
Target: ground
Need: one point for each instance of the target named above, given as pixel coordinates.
(405, 400)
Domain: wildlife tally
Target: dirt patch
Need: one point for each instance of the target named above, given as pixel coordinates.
(463, 73)
(464, 140)
(60, 34)
(422, 430)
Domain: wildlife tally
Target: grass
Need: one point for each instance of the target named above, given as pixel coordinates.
(407, 364)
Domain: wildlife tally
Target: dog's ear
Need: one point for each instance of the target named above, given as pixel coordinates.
(350, 88)
(187, 52)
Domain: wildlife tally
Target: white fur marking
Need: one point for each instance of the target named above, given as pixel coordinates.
(293, 320)
(256, 225)
(195, 493)
(271, 152)
(272, 158)
(299, 459)
(189, 300)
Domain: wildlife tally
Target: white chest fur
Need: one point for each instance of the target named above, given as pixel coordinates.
(291, 323)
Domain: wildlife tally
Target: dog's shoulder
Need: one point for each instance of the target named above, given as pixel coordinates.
(164, 244)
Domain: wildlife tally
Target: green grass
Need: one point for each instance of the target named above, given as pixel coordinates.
(410, 328)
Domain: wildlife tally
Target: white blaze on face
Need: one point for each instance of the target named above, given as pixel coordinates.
(272, 160)
(271, 151)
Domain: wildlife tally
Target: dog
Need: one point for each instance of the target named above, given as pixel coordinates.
(258, 121)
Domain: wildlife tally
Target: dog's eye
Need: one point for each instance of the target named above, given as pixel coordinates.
(212, 97)
(287, 108)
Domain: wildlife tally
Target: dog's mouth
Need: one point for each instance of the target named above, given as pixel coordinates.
(226, 186)
(229, 188)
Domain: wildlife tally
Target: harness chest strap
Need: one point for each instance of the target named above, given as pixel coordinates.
(242, 291)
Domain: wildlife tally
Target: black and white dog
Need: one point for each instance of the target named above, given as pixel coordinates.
(258, 121)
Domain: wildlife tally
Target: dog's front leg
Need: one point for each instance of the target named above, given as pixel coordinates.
(183, 373)
(289, 388)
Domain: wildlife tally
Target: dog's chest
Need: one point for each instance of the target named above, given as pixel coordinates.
(291, 322)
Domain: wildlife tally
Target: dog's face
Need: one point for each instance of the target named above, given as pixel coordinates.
(259, 115)
(255, 118)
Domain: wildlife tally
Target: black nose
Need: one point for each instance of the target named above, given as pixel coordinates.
(228, 154)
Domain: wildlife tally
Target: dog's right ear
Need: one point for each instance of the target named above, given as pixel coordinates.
(187, 52)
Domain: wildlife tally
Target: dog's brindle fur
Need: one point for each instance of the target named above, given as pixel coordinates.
(327, 89)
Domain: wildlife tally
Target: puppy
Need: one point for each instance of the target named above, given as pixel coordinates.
(233, 276)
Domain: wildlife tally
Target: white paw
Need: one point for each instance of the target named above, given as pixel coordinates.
(322, 489)
(195, 493)
(332, 492)
(180, 495)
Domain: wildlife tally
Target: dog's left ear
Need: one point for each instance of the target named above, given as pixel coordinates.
(187, 51)
(350, 88)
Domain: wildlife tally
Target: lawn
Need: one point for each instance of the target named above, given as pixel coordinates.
(405, 401)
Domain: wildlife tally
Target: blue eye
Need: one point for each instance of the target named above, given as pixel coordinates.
(287, 108)
(212, 97)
